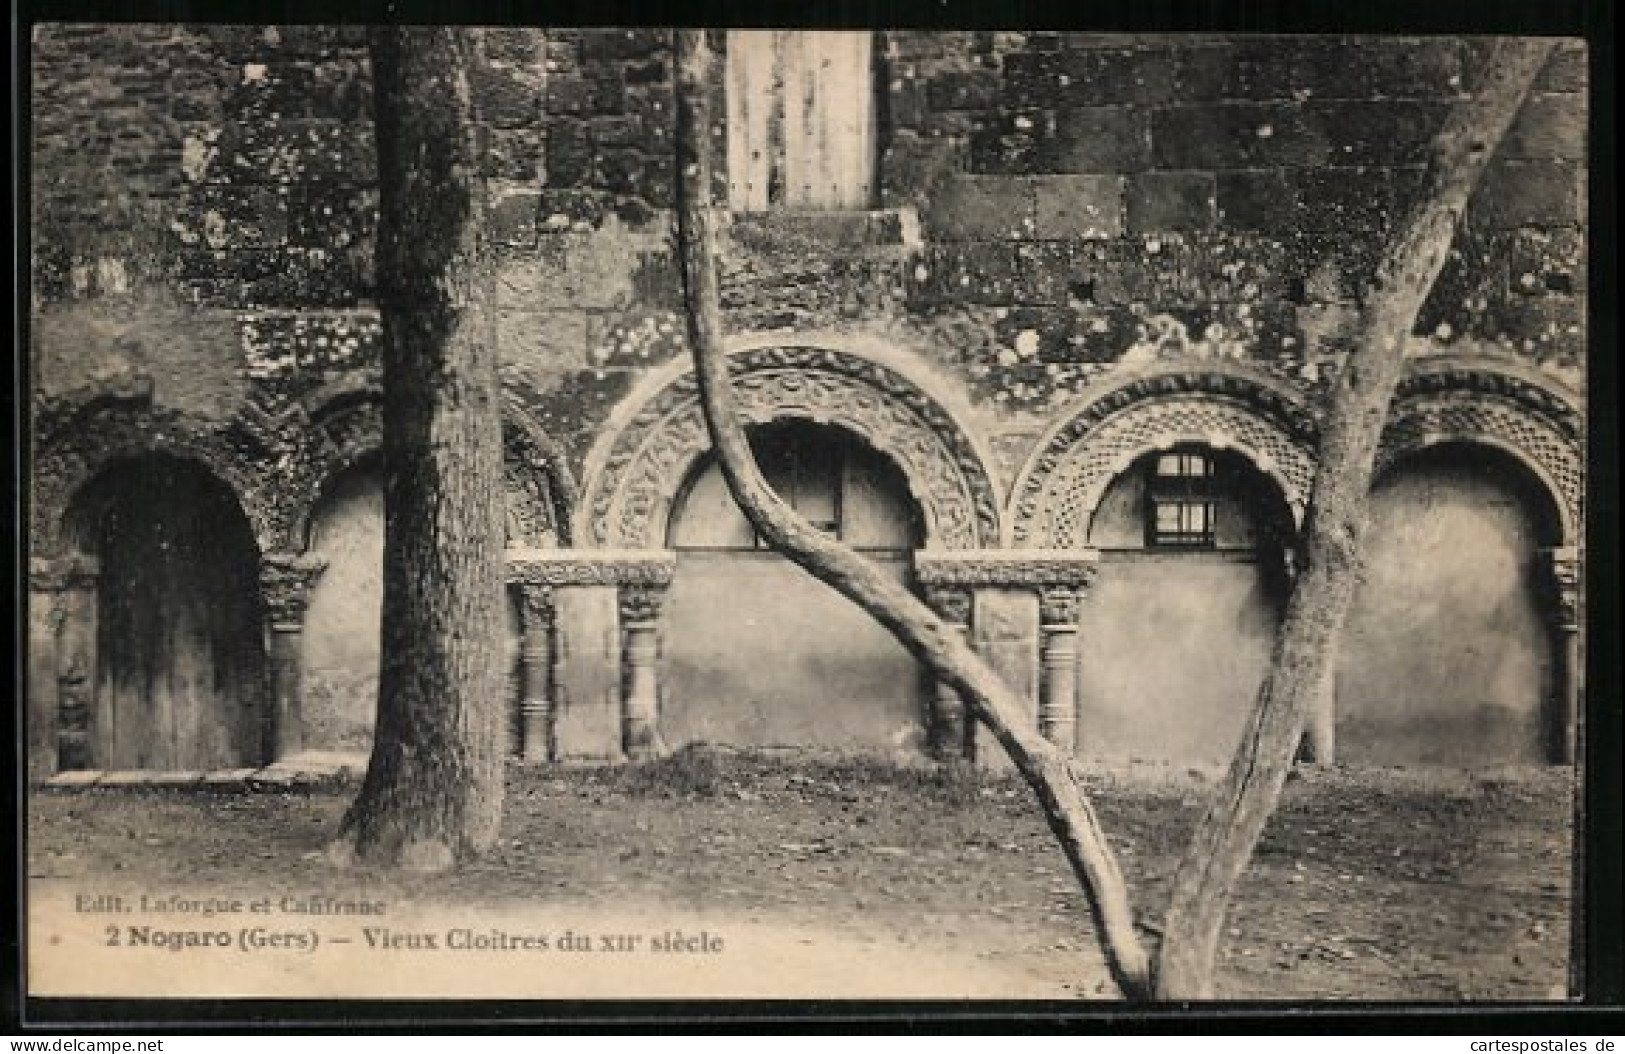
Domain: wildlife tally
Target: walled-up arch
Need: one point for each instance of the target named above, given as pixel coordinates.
(78, 438)
(345, 427)
(1502, 406)
(1061, 486)
(635, 471)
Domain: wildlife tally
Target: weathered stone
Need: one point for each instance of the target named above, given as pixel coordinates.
(976, 273)
(969, 207)
(1376, 133)
(514, 45)
(543, 345)
(1256, 201)
(912, 168)
(1078, 206)
(585, 95)
(1429, 68)
(1011, 145)
(1236, 136)
(614, 44)
(512, 153)
(251, 217)
(505, 99)
(1528, 193)
(512, 217)
(975, 89)
(569, 154)
(1162, 201)
(1549, 126)
(1566, 70)
(1100, 139)
(1354, 202)
(1091, 77)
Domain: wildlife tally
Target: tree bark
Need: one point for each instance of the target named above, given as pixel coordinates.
(1307, 642)
(933, 641)
(432, 795)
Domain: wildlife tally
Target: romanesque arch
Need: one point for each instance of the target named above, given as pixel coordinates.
(1462, 642)
(1227, 409)
(1499, 405)
(344, 424)
(77, 436)
(634, 472)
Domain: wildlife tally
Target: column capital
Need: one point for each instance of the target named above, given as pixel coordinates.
(951, 603)
(1058, 606)
(641, 604)
(1564, 574)
(286, 580)
(536, 603)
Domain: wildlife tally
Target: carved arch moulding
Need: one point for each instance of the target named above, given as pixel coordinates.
(1502, 407)
(346, 426)
(74, 443)
(634, 473)
(1067, 475)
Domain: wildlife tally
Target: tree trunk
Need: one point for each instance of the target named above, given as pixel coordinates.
(433, 790)
(933, 641)
(1307, 642)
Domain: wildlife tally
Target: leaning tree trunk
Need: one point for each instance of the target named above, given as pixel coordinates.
(433, 789)
(933, 641)
(1307, 642)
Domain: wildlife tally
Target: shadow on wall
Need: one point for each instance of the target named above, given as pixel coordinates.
(1448, 657)
(343, 620)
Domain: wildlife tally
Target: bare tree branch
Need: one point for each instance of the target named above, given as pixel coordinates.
(1307, 642)
(931, 640)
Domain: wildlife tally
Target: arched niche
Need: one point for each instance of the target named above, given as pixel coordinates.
(345, 428)
(1176, 635)
(1061, 486)
(1495, 406)
(342, 523)
(1450, 654)
(635, 470)
(74, 443)
(172, 645)
(758, 652)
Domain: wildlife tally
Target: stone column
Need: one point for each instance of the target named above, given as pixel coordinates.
(536, 741)
(1026, 603)
(76, 734)
(640, 688)
(286, 580)
(948, 734)
(1567, 722)
(1058, 661)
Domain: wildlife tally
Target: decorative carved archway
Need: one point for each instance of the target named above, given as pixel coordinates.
(80, 436)
(1504, 406)
(634, 472)
(1067, 475)
(344, 424)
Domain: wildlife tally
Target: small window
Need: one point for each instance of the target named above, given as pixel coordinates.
(1182, 498)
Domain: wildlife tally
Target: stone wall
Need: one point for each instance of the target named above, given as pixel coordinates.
(1057, 206)
(1065, 227)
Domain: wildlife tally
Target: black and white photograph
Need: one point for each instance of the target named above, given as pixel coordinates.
(633, 512)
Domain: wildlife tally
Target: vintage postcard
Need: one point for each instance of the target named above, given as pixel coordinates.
(1046, 326)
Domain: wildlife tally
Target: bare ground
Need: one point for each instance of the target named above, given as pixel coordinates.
(1410, 885)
